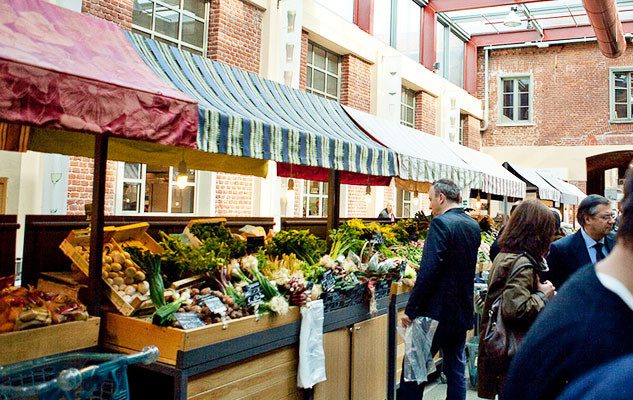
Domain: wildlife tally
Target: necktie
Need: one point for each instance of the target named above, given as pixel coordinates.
(599, 253)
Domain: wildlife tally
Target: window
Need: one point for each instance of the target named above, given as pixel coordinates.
(397, 23)
(407, 108)
(515, 99)
(463, 118)
(449, 54)
(323, 72)
(344, 8)
(406, 204)
(181, 23)
(621, 96)
(158, 184)
(314, 199)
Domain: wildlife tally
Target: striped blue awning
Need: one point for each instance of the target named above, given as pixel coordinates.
(242, 114)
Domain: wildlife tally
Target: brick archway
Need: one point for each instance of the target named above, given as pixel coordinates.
(596, 165)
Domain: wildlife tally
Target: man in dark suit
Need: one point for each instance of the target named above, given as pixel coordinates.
(590, 244)
(444, 286)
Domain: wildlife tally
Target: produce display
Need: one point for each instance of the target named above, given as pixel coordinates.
(23, 308)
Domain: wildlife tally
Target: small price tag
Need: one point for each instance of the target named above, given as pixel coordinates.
(376, 238)
(188, 320)
(214, 304)
(328, 281)
(253, 294)
(310, 284)
(403, 267)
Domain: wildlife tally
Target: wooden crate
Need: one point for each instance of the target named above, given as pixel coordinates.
(136, 235)
(129, 335)
(48, 340)
(81, 237)
(193, 240)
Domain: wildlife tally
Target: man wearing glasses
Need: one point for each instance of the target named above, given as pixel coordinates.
(590, 244)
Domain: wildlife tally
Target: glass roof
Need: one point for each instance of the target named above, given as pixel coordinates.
(543, 14)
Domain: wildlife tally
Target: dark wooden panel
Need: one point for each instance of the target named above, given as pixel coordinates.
(44, 233)
(8, 231)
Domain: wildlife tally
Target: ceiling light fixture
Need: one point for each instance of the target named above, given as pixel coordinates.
(512, 20)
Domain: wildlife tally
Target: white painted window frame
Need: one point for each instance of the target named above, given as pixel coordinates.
(502, 120)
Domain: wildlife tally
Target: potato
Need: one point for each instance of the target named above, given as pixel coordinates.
(104, 274)
(143, 287)
(128, 264)
(118, 257)
(115, 266)
(127, 298)
(110, 281)
(130, 290)
(128, 280)
(130, 272)
(107, 267)
(107, 259)
(113, 275)
(126, 255)
(139, 276)
(118, 281)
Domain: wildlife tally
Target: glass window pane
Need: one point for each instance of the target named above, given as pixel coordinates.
(410, 116)
(620, 79)
(508, 112)
(508, 100)
(324, 185)
(132, 171)
(166, 21)
(406, 210)
(524, 85)
(332, 63)
(309, 77)
(310, 50)
(190, 50)
(456, 60)
(620, 111)
(131, 192)
(344, 8)
(332, 85)
(524, 99)
(192, 31)
(156, 189)
(175, 3)
(319, 58)
(313, 187)
(195, 6)
(406, 195)
(318, 82)
(313, 206)
(440, 50)
(382, 20)
(508, 85)
(142, 13)
(182, 199)
(408, 29)
(524, 113)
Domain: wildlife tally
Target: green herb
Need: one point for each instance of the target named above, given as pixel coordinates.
(165, 314)
(344, 239)
(214, 234)
(303, 244)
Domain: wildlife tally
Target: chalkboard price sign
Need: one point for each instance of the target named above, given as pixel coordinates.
(403, 267)
(188, 320)
(214, 304)
(328, 281)
(376, 238)
(254, 294)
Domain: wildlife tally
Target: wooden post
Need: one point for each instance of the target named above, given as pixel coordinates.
(97, 223)
(333, 200)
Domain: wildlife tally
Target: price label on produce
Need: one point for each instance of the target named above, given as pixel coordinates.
(328, 281)
(214, 304)
(376, 238)
(403, 267)
(188, 320)
(254, 294)
(310, 284)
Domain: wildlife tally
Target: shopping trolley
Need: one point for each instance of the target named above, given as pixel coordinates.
(76, 376)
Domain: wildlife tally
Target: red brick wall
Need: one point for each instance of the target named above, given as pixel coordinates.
(355, 87)
(80, 175)
(235, 34)
(425, 112)
(472, 134)
(304, 61)
(234, 195)
(117, 11)
(571, 96)
(356, 206)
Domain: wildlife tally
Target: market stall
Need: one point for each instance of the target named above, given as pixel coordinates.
(536, 185)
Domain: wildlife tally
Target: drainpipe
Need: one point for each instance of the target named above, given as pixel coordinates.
(487, 50)
(605, 21)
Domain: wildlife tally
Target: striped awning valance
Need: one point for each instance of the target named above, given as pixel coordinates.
(242, 114)
(531, 177)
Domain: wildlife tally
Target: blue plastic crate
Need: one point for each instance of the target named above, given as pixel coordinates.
(85, 376)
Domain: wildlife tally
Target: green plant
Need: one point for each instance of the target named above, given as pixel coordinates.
(303, 244)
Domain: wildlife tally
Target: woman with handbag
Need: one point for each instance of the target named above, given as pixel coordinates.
(515, 293)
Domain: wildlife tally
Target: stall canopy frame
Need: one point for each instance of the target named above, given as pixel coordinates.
(532, 178)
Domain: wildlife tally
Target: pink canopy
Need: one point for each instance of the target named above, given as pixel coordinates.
(62, 69)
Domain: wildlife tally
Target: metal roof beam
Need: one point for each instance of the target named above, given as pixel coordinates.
(456, 5)
(551, 34)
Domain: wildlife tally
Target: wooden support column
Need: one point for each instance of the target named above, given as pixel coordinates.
(97, 223)
(333, 199)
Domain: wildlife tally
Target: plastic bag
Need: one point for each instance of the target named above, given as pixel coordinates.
(418, 360)
(311, 355)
